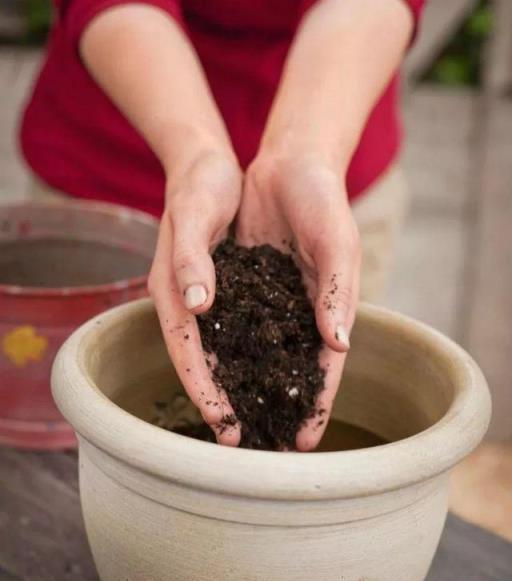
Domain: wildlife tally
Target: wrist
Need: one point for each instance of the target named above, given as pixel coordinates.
(302, 173)
(204, 170)
(306, 149)
(294, 157)
(184, 146)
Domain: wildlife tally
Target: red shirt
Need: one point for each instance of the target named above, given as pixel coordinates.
(77, 141)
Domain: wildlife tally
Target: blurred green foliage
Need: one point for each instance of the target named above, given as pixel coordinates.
(460, 64)
(39, 16)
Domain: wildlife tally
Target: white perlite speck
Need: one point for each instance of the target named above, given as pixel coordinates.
(217, 326)
(293, 392)
(260, 400)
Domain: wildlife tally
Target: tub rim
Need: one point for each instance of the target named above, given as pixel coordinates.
(274, 475)
(67, 292)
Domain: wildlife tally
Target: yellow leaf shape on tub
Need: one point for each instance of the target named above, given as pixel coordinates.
(23, 344)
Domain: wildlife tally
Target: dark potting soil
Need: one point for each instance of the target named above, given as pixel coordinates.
(263, 333)
(159, 399)
(338, 436)
(61, 262)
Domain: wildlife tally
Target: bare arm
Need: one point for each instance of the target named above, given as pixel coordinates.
(141, 58)
(343, 56)
(143, 61)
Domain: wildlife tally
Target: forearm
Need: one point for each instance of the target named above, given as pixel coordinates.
(145, 64)
(343, 56)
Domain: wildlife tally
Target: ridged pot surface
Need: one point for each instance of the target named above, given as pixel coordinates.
(159, 506)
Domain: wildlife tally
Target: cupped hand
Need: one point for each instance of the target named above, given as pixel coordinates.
(301, 204)
(201, 202)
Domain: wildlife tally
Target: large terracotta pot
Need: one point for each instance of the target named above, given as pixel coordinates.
(106, 250)
(160, 506)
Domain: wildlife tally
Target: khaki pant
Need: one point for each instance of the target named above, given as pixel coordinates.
(379, 214)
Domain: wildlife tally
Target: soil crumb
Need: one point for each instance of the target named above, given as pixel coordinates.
(263, 333)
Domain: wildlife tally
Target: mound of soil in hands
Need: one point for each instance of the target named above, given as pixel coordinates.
(263, 332)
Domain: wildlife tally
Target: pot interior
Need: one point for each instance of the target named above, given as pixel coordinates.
(395, 384)
(73, 245)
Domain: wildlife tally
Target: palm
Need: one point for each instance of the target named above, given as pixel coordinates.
(294, 214)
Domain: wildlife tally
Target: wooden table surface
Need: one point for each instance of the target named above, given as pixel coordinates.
(42, 536)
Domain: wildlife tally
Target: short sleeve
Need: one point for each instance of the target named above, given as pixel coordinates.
(416, 7)
(75, 15)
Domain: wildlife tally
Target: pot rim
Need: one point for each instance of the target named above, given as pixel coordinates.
(277, 475)
(61, 293)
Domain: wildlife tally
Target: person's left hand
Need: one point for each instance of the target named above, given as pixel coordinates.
(303, 201)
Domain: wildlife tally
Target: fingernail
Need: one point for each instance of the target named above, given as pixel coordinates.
(195, 296)
(342, 336)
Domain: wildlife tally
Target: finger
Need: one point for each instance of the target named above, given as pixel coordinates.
(332, 362)
(311, 432)
(193, 265)
(201, 212)
(337, 258)
(186, 352)
(181, 335)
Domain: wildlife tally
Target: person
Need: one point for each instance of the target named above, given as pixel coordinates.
(281, 117)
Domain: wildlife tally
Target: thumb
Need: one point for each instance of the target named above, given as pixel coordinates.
(338, 266)
(192, 264)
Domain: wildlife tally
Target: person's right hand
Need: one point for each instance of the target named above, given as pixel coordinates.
(201, 202)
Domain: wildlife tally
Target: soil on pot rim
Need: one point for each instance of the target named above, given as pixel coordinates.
(263, 333)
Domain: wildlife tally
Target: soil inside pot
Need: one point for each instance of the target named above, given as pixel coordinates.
(61, 262)
(263, 333)
(154, 401)
(338, 436)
